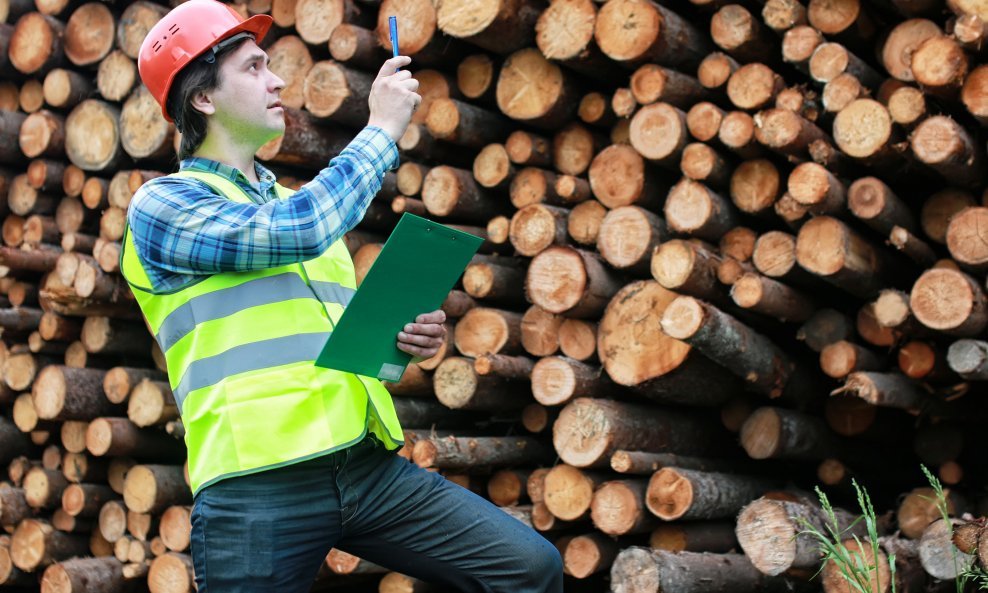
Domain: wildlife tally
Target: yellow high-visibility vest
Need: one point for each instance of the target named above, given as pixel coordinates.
(241, 348)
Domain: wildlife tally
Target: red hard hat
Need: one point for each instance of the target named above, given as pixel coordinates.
(184, 34)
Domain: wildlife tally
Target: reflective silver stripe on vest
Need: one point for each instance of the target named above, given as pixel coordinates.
(249, 357)
(332, 292)
(227, 301)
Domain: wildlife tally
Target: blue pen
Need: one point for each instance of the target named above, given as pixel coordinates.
(393, 26)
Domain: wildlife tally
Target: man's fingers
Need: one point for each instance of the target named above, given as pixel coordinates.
(389, 67)
(437, 316)
(435, 330)
(418, 351)
(428, 332)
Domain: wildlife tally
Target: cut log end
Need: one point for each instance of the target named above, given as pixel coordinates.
(683, 318)
(862, 128)
(761, 433)
(630, 348)
(568, 492)
(455, 382)
(670, 494)
(946, 299)
(768, 536)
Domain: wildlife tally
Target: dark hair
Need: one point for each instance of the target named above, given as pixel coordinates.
(200, 75)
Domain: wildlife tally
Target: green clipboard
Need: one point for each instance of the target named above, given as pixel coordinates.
(412, 275)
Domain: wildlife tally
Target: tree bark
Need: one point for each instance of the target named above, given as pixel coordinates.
(946, 147)
(890, 390)
(748, 354)
(704, 536)
(525, 148)
(676, 493)
(831, 250)
(557, 380)
(304, 141)
(452, 453)
(64, 393)
(36, 544)
(777, 433)
(842, 358)
(589, 431)
(773, 533)
(640, 570)
(43, 135)
(120, 381)
(116, 437)
(452, 192)
(643, 463)
(638, 30)
(688, 267)
(736, 31)
(458, 386)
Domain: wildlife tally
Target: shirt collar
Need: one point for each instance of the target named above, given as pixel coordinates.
(265, 190)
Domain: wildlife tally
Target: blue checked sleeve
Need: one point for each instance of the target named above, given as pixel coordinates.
(180, 226)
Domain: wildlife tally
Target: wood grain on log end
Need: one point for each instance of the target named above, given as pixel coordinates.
(658, 132)
(492, 167)
(670, 495)
(950, 301)
(939, 63)
(565, 29)
(862, 128)
(799, 43)
(568, 492)
(631, 348)
(755, 186)
(753, 86)
(703, 120)
(966, 237)
(618, 509)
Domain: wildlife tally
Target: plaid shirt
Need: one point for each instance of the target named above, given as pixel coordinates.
(183, 230)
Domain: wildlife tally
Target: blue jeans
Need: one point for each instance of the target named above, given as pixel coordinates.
(270, 531)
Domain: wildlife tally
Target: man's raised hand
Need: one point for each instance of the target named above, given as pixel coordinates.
(393, 97)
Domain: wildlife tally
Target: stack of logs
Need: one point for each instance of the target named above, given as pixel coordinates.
(732, 251)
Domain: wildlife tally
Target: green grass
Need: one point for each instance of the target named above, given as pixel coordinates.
(860, 574)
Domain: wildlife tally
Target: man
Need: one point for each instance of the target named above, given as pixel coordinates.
(241, 282)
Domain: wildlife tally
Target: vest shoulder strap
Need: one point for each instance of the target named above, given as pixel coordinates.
(227, 188)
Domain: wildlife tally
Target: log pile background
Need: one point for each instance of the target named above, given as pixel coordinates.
(734, 251)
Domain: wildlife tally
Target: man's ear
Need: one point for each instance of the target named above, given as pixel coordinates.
(203, 102)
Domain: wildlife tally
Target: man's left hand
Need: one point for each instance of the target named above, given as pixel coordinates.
(423, 338)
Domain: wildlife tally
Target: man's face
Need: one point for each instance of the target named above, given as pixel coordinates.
(247, 100)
